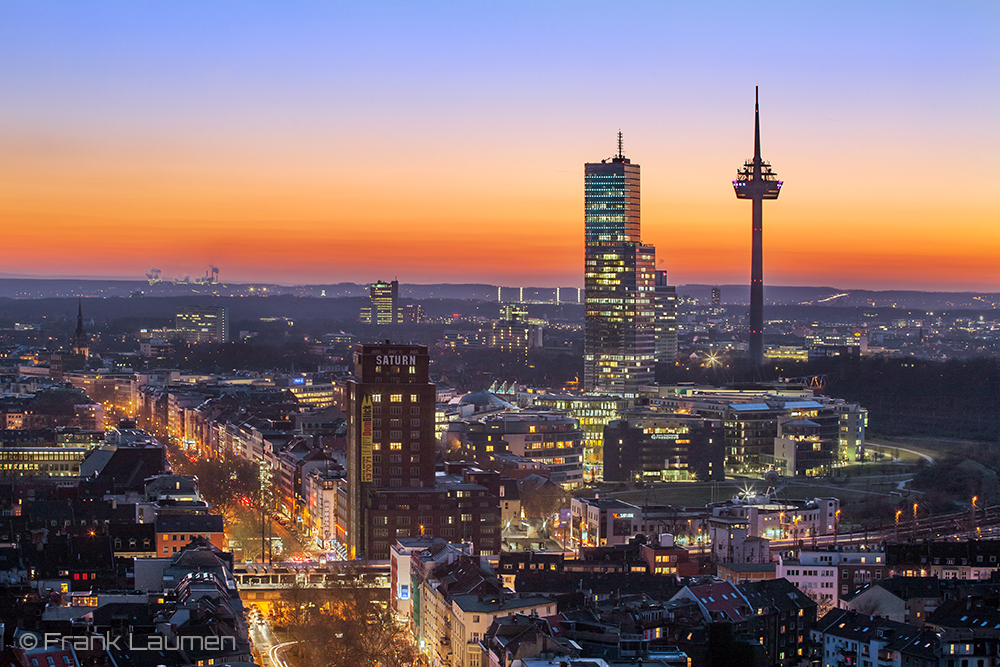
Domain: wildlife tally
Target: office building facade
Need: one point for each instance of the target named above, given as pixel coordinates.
(203, 324)
(619, 281)
(666, 320)
(390, 428)
(384, 308)
(653, 447)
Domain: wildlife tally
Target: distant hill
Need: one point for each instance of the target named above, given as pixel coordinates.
(35, 288)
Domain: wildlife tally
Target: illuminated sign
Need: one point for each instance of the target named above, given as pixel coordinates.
(396, 359)
(623, 515)
(664, 436)
(366, 439)
(404, 592)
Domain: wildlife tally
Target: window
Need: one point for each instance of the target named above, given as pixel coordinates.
(376, 398)
(415, 410)
(414, 398)
(396, 410)
(414, 470)
(395, 445)
(396, 398)
(414, 423)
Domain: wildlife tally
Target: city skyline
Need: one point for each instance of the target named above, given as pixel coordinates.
(443, 143)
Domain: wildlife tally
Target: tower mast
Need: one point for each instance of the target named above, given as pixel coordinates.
(756, 181)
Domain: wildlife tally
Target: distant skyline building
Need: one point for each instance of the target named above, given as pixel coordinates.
(716, 296)
(755, 181)
(384, 308)
(203, 324)
(513, 333)
(666, 320)
(619, 281)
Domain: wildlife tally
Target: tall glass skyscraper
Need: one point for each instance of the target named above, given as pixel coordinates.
(385, 304)
(619, 281)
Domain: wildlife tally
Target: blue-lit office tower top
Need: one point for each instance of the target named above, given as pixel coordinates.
(619, 281)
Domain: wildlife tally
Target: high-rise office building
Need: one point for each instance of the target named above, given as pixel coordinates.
(390, 436)
(203, 324)
(716, 297)
(619, 281)
(513, 333)
(384, 308)
(666, 320)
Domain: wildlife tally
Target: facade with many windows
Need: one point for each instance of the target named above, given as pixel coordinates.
(619, 281)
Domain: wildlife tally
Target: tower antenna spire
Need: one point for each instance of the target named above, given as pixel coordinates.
(620, 154)
(756, 133)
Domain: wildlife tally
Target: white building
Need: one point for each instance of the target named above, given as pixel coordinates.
(818, 574)
(320, 492)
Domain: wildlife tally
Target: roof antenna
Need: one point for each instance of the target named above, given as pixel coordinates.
(620, 156)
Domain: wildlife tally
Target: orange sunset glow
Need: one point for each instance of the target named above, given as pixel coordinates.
(314, 165)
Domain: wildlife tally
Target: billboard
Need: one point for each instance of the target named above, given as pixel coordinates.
(366, 439)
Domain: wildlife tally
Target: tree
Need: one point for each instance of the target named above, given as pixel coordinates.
(542, 498)
(346, 624)
(225, 484)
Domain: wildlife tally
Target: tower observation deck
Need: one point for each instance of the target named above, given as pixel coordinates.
(756, 181)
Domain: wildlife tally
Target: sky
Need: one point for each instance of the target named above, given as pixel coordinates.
(445, 142)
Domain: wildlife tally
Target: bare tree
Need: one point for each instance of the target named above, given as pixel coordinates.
(347, 624)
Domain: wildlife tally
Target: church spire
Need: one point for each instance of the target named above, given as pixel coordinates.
(79, 319)
(81, 342)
